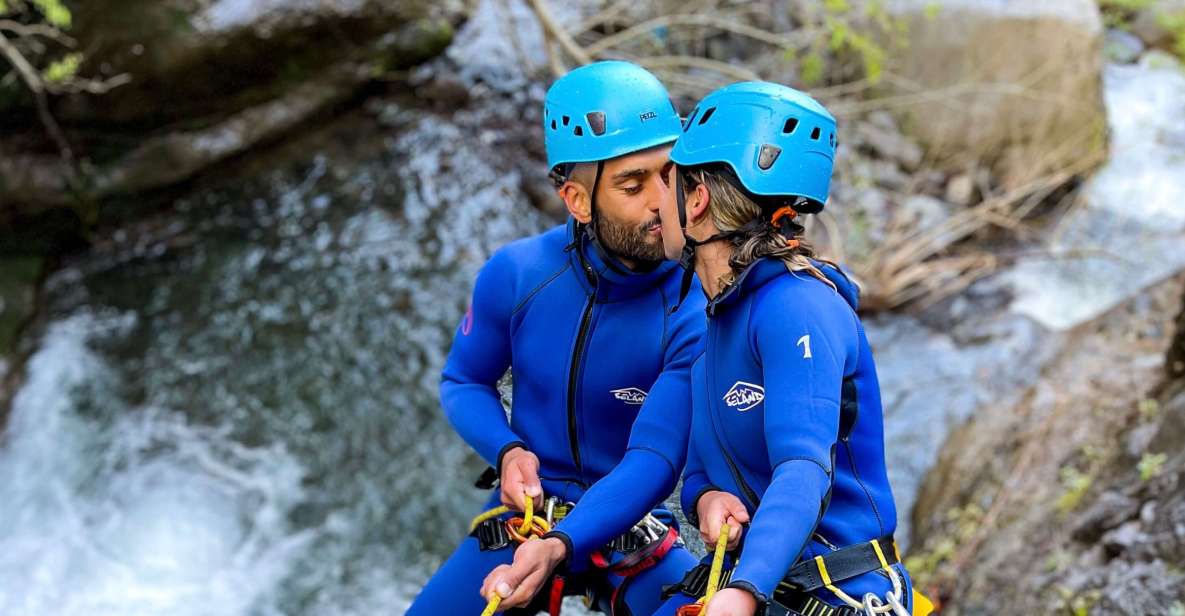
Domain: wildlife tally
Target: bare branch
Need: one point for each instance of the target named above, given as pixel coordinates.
(711, 21)
(42, 30)
(35, 84)
(553, 27)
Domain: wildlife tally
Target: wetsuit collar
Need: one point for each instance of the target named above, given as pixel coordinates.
(750, 279)
(601, 272)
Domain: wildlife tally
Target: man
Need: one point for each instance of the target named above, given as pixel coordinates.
(585, 316)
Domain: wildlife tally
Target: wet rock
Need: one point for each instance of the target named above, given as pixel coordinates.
(1123, 47)
(18, 280)
(1035, 107)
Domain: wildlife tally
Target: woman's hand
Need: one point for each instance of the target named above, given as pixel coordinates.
(731, 602)
(716, 508)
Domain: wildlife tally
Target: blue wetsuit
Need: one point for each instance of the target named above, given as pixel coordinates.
(601, 392)
(783, 354)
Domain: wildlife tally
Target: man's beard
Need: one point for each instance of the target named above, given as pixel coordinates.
(627, 241)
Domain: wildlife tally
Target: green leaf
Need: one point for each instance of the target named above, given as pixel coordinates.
(63, 68)
(55, 13)
(812, 69)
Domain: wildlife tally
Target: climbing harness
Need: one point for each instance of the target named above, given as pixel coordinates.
(695, 609)
(641, 547)
(825, 571)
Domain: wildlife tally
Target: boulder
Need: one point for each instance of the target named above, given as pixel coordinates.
(1015, 84)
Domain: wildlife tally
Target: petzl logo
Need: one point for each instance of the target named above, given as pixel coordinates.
(649, 115)
(630, 395)
(744, 396)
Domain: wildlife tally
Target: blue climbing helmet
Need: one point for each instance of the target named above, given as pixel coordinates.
(605, 110)
(777, 140)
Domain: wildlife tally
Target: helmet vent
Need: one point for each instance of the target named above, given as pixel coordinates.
(833, 142)
(769, 154)
(815, 134)
(579, 132)
(707, 115)
(690, 119)
(566, 120)
(553, 125)
(791, 124)
(596, 122)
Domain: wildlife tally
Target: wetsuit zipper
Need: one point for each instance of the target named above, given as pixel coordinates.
(574, 373)
(732, 467)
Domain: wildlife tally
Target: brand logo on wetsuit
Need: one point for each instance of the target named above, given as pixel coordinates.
(630, 395)
(744, 396)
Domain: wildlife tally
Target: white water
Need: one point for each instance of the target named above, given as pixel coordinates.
(1130, 232)
(146, 515)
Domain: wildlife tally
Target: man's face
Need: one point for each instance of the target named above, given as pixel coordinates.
(632, 189)
(672, 233)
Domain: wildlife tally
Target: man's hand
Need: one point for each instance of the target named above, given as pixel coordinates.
(518, 583)
(715, 508)
(520, 475)
(731, 602)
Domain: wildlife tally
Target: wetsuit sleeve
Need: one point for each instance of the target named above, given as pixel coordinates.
(654, 457)
(478, 358)
(802, 366)
(695, 483)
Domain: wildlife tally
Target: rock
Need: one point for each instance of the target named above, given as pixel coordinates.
(1124, 538)
(189, 59)
(1139, 439)
(960, 189)
(925, 212)
(881, 135)
(1020, 82)
(1109, 511)
(1122, 47)
(18, 287)
(210, 79)
(1152, 23)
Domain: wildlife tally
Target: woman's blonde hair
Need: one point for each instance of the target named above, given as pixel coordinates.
(754, 233)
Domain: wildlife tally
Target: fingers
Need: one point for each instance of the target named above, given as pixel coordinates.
(520, 476)
(521, 593)
(493, 582)
(734, 532)
(737, 510)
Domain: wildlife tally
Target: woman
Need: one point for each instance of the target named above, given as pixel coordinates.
(787, 425)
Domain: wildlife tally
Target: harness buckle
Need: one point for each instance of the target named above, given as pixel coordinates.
(491, 535)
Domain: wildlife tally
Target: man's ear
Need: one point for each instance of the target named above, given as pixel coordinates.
(576, 198)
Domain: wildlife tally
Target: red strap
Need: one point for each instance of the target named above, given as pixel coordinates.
(641, 560)
(626, 569)
(557, 596)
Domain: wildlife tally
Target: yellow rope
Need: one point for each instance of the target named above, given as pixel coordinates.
(485, 515)
(528, 514)
(492, 606)
(717, 563)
